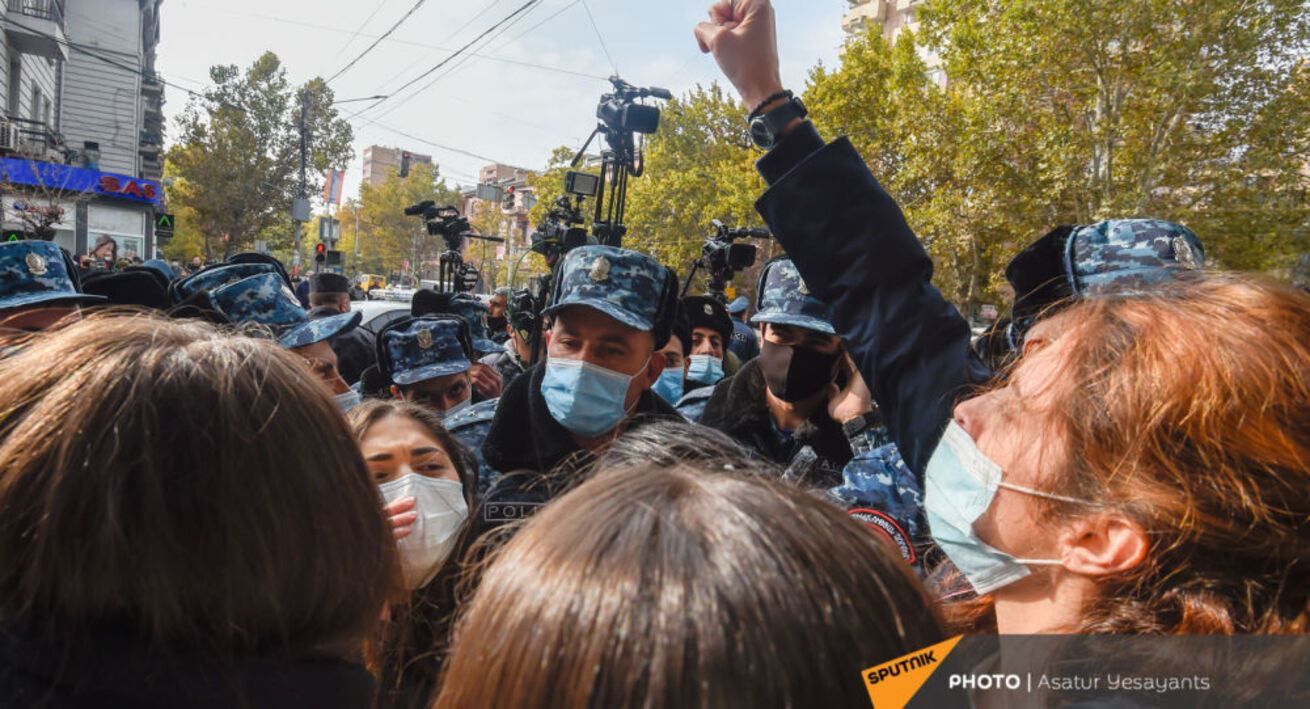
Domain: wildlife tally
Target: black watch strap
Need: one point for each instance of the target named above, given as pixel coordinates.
(859, 424)
(759, 108)
(768, 127)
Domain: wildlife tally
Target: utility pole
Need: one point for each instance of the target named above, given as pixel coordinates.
(300, 209)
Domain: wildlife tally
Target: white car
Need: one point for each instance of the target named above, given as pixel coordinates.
(379, 313)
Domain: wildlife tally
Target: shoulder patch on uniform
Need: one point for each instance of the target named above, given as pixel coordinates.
(883, 523)
(481, 412)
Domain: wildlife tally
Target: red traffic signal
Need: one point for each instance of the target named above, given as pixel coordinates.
(320, 252)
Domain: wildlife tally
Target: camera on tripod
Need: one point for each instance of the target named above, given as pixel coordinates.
(561, 231)
(453, 227)
(622, 118)
(621, 112)
(722, 258)
(445, 222)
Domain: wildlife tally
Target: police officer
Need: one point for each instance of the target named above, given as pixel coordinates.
(356, 349)
(711, 332)
(427, 360)
(677, 351)
(515, 355)
(265, 300)
(612, 311)
(745, 345)
(498, 315)
(788, 398)
(708, 359)
(39, 286)
(487, 381)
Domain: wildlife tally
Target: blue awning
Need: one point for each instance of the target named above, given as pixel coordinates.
(69, 179)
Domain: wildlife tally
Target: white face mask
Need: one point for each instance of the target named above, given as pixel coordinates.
(441, 511)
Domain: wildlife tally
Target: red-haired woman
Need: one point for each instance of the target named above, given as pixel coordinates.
(1147, 466)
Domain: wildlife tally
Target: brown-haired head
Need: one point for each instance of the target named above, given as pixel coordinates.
(1188, 411)
(681, 586)
(198, 489)
(371, 411)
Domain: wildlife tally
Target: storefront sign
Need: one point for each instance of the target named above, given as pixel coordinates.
(68, 179)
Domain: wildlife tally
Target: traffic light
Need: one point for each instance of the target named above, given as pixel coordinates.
(320, 252)
(507, 202)
(404, 164)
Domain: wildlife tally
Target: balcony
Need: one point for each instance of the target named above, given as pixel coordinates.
(36, 27)
(35, 140)
(151, 86)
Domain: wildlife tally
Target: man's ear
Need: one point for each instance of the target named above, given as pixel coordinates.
(1103, 545)
(654, 369)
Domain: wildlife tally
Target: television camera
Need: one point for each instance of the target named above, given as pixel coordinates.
(447, 223)
(722, 257)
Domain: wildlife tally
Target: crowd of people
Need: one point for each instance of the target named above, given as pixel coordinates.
(214, 492)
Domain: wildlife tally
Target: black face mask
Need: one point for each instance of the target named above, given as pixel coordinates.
(794, 373)
(497, 325)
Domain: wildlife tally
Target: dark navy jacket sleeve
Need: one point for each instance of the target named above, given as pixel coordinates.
(852, 245)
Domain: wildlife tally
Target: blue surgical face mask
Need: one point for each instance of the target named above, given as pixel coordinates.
(669, 385)
(705, 369)
(348, 400)
(960, 484)
(585, 398)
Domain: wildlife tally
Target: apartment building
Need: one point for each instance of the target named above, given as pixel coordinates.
(82, 130)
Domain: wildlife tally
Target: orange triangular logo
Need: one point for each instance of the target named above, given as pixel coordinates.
(893, 683)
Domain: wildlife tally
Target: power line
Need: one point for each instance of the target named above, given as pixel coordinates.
(363, 24)
(461, 50)
(393, 40)
(450, 37)
(378, 41)
(600, 37)
(112, 62)
(533, 28)
(464, 60)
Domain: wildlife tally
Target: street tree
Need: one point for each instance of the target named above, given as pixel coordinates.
(387, 238)
(235, 165)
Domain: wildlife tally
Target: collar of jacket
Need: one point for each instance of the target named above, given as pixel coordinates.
(524, 436)
(739, 409)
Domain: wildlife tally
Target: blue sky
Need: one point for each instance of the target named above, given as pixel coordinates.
(487, 106)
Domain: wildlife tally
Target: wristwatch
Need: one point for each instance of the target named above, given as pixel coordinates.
(866, 432)
(766, 129)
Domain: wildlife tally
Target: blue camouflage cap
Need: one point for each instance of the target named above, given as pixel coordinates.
(162, 267)
(784, 299)
(739, 306)
(35, 273)
(215, 277)
(266, 300)
(625, 285)
(1129, 254)
(475, 313)
(424, 348)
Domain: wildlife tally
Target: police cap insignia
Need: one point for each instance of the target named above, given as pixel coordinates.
(1185, 254)
(37, 264)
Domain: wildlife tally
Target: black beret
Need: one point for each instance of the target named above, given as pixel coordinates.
(131, 287)
(329, 283)
(704, 311)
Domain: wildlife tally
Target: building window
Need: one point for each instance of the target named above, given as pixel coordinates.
(36, 101)
(15, 84)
